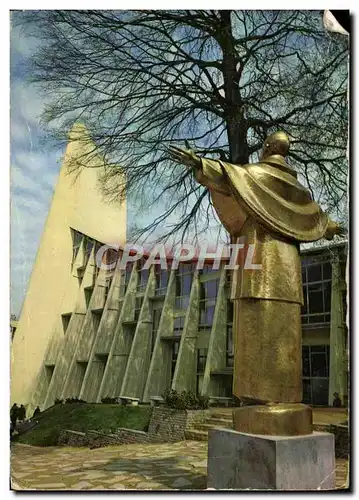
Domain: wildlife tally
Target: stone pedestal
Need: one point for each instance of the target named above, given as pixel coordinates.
(247, 461)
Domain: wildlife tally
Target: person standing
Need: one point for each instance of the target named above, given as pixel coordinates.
(22, 413)
(14, 412)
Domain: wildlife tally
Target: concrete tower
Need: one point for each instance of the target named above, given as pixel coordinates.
(77, 207)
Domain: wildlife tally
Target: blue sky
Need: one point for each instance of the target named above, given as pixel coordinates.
(34, 170)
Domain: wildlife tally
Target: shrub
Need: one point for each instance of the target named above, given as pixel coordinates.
(110, 401)
(203, 402)
(185, 400)
(74, 400)
(58, 401)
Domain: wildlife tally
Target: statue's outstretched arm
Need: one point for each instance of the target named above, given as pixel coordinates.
(333, 229)
(207, 172)
(185, 156)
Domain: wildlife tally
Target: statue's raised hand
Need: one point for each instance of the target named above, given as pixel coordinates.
(185, 156)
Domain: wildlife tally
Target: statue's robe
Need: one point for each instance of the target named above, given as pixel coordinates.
(264, 205)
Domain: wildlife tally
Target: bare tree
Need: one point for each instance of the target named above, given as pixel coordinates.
(221, 80)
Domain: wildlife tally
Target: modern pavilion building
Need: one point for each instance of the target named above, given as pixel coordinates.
(90, 333)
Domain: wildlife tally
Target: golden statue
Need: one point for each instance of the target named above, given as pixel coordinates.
(263, 205)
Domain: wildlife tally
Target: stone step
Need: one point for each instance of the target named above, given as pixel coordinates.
(220, 422)
(207, 427)
(195, 435)
(221, 416)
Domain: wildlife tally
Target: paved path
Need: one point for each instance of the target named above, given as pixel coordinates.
(129, 467)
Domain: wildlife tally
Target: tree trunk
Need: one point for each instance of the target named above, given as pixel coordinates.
(234, 110)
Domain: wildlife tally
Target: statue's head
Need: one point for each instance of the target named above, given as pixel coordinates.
(276, 144)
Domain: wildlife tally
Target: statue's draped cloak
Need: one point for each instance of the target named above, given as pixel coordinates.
(270, 192)
(264, 205)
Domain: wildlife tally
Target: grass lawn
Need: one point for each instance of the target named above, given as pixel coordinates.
(84, 417)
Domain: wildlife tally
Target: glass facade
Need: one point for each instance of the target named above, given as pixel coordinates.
(126, 275)
(175, 349)
(156, 316)
(207, 302)
(138, 305)
(201, 365)
(110, 256)
(178, 325)
(142, 276)
(184, 277)
(161, 277)
(108, 283)
(65, 321)
(88, 294)
(76, 242)
(201, 359)
(208, 268)
(316, 276)
(87, 248)
(315, 359)
(49, 371)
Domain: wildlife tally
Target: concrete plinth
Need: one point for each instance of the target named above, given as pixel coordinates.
(247, 461)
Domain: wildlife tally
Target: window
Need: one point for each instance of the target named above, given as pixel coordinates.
(315, 298)
(315, 362)
(178, 326)
(207, 303)
(175, 349)
(206, 314)
(182, 302)
(183, 284)
(314, 273)
(327, 271)
(316, 276)
(103, 260)
(162, 277)
(186, 268)
(65, 321)
(138, 306)
(111, 257)
(49, 371)
(201, 365)
(88, 294)
(184, 277)
(88, 245)
(142, 275)
(208, 268)
(230, 313)
(125, 277)
(201, 360)
(108, 282)
(76, 243)
(156, 317)
(81, 367)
